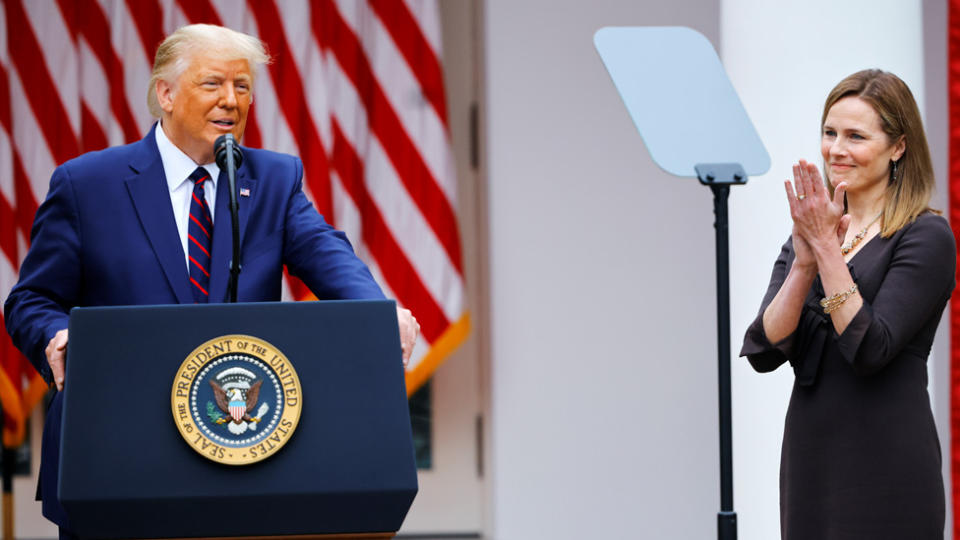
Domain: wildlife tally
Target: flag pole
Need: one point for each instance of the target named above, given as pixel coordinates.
(6, 470)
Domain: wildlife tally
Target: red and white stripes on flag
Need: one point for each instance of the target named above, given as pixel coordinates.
(355, 90)
(953, 86)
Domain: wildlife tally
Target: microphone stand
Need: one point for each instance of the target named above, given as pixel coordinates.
(228, 156)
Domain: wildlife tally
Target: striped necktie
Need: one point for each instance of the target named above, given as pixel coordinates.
(199, 234)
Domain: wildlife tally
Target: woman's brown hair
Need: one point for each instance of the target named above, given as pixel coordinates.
(909, 191)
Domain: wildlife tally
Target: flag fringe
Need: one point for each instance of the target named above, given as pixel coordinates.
(451, 338)
(12, 411)
(17, 406)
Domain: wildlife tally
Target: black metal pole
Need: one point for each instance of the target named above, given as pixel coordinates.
(233, 282)
(228, 156)
(726, 518)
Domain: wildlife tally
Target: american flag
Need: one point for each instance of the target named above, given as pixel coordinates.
(355, 90)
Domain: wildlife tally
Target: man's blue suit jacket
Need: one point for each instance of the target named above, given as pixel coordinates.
(106, 235)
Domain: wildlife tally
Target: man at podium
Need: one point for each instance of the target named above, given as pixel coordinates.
(148, 223)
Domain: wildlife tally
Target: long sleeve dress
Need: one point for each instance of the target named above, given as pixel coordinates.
(860, 457)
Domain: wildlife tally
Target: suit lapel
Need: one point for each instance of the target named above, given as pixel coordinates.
(222, 230)
(148, 190)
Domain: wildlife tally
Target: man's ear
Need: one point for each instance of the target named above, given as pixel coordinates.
(165, 95)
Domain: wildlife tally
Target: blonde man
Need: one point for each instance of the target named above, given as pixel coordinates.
(147, 223)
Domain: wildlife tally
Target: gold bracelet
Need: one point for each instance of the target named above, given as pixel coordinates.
(831, 303)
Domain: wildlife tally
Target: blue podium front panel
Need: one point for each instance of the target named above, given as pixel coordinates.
(127, 470)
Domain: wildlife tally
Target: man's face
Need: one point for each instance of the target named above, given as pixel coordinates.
(211, 98)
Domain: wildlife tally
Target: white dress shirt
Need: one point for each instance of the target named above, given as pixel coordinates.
(178, 167)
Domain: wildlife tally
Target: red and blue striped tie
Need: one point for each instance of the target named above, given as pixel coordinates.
(199, 234)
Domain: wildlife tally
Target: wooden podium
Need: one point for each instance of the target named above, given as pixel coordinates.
(128, 470)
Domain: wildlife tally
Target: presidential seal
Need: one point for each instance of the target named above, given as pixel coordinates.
(236, 399)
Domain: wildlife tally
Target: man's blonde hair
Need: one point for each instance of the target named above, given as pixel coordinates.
(173, 55)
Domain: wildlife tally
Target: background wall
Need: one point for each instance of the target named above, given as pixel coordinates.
(603, 352)
(602, 368)
(936, 121)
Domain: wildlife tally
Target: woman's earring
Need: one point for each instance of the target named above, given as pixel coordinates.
(893, 176)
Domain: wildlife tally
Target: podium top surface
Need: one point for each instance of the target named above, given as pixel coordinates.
(680, 98)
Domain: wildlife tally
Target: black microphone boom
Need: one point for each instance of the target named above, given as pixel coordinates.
(227, 153)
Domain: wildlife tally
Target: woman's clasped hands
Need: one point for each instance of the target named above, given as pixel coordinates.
(819, 222)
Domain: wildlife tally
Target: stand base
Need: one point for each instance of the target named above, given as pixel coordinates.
(349, 536)
(727, 525)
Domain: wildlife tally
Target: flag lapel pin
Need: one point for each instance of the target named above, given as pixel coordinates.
(244, 192)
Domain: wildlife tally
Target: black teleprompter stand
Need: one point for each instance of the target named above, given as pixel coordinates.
(720, 176)
(692, 122)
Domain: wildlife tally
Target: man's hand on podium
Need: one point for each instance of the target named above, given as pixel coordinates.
(56, 354)
(409, 330)
(57, 348)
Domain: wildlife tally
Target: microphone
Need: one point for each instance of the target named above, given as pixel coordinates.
(220, 150)
(227, 153)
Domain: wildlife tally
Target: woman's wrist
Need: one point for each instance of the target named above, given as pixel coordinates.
(807, 269)
(825, 247)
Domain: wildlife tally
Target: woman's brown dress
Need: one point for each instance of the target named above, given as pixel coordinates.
(861, 458)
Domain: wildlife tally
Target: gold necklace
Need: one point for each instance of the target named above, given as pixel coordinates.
(848, 247)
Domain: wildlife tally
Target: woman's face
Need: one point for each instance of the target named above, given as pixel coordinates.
(855, 149)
